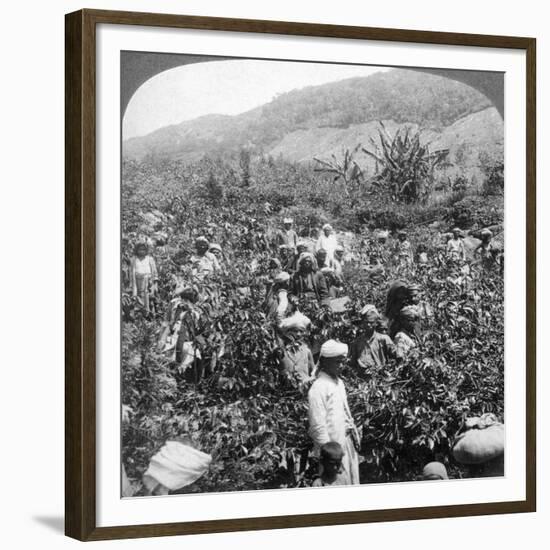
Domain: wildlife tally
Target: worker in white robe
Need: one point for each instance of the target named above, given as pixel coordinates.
(329, 415)
(327, 241)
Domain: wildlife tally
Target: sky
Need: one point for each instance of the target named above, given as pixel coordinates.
(223, 87)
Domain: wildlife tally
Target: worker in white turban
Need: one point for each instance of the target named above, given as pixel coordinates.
(297, 357)
(329, 414)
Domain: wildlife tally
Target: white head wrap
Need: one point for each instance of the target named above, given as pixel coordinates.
(409, 312)
(332, 348)
(297, 321)
(305, 255)
(202, 239)
(370, 310)
(282, 277)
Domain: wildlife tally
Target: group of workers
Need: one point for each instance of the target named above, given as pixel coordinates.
(316, 273)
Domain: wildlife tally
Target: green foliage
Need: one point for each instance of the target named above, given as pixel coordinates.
(405, 166)
(492, 167)
(470, 211)
(346, 171)
(236, 403)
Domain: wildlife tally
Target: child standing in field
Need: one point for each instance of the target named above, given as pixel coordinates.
(143, 275)
(331, 466)
(403, 249)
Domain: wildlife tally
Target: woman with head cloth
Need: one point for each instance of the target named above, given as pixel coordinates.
(371, 349)
(328, 413)
(308, 280)
(400, 295)
(406, 339)
(204, 262)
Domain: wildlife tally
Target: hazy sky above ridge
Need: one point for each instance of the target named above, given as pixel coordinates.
(225, 87)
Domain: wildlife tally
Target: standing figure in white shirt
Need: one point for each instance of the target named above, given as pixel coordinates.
(455, 247)
(329, 415)
(328, 242)
(143, 275)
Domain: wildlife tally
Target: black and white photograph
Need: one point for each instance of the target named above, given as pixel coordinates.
(312, 274)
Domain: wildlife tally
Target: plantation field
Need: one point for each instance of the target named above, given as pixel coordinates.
(236, 403)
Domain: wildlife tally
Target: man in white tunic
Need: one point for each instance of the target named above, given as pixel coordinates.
(327, 241)
(329, 415)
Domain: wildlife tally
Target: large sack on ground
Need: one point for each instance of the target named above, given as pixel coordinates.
(481, 442)
(175, 466)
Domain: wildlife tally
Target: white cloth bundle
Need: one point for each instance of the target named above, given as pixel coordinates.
(282, 277)
(483, 441)
(175, 466)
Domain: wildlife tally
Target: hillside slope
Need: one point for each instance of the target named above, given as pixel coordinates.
(334, 113)
(483, 130)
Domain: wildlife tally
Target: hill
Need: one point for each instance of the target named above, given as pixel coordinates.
(333, 113)
(464, 138)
